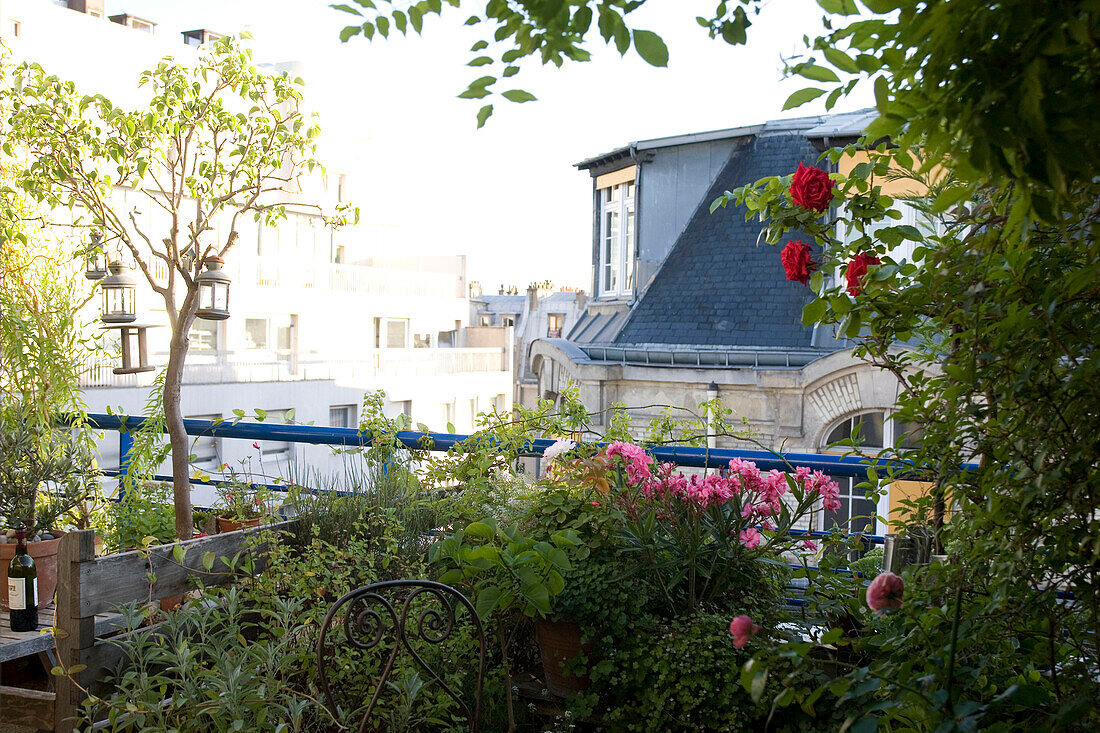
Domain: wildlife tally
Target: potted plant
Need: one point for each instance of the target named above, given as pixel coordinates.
(44, 475)
(242, 502)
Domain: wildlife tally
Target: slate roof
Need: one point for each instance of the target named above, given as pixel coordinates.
(717, 287)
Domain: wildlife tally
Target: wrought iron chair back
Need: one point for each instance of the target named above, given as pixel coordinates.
(367, 617)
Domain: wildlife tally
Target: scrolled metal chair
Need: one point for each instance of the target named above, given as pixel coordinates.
(367, 617)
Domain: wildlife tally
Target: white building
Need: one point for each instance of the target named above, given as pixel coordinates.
(318, 316)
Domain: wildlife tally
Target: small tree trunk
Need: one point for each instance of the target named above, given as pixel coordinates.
(173, 418)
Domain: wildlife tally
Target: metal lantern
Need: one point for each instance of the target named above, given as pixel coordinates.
(95, 259)
(213, 291)
(119, 288)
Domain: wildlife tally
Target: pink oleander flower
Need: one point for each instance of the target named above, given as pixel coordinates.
(558, 448)
(636, 460)
(751, 537)
(742, 629)
(885, 591)
(809, 545)
(595, 503)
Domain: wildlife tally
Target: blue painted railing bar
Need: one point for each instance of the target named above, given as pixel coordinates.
(834, 465)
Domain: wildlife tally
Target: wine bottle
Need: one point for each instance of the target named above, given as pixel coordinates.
(23, 587)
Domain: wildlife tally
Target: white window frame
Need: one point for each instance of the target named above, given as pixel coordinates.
(350, 416)
(617, 264)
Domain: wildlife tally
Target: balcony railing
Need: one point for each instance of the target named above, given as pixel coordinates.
(226, 368)
(358, 279)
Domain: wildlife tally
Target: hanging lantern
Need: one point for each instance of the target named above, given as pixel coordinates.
(118, 295)
(95, 259)
(213, 291)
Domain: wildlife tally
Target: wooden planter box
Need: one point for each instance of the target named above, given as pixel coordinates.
(89, 587)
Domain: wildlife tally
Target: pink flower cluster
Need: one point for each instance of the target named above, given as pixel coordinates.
(819, 483)
(885, 591)
(635, 458)
(760, 495)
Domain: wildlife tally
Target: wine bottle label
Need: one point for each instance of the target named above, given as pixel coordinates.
(17, 594)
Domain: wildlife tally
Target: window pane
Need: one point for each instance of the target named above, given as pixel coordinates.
(255, 333)
(841, 432)
(870, 429)
(395, 334)
(203, 335)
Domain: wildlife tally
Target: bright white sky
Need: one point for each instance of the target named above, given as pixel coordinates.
(507, 195)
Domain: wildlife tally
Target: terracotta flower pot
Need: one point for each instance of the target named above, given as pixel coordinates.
(225, 524)
(44, 553)
(559, 644)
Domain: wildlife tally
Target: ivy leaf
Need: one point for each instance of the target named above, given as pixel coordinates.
(802, 96)
(400, 20)
(479, 45)
(484, 114)
(478, 88)
(480, 61)
(510, 71)
(518, 96)
(651, 48)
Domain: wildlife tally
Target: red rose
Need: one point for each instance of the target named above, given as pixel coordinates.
(857, 268)
(811, 188)
(796, 261)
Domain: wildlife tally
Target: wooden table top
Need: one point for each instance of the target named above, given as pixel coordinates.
(16, 644)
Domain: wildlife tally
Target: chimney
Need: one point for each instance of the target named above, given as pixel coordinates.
(580, 300)
(532, 297)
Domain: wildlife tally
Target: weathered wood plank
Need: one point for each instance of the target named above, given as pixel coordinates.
(113, 581)
(32, 708)
(74, 631)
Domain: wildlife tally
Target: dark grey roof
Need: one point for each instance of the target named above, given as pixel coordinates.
(718, 287)
(597, 327)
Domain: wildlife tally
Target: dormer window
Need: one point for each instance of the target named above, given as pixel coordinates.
(616, 268)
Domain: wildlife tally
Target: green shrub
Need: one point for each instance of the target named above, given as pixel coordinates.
(676, 676)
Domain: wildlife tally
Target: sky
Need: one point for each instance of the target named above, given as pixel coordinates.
(508, 196)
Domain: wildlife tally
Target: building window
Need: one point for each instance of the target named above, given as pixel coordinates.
(554, 324)
(484, 320)
(342, 416)
(391, 333)
(508, 321)
(422, 341)
(205, 448)
(275, 447)
(203, 335)
(872, 431)
(255, 333)
(616, 275)
(284, 340)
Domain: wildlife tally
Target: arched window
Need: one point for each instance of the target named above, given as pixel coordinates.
(873, 431)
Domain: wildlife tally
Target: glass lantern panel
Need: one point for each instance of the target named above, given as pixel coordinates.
(221, 296)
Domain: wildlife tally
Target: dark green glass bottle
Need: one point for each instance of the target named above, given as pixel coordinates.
(23, 587)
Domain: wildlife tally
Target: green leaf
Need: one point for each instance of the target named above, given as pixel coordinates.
(759, 682)
(510, 71)
(882, 93)
(487, 599)
(400, 20)
(949, 197)
(482, 44)
(484, 114)
(346, 9)
(518, 95)
(840, 60)
(179, 552)
(839, 7)
(802, 96)
(651, 48)
(383, 24)
(814, 72)
(813, 312)
(480, 61)
(208, 560)
(479, 529)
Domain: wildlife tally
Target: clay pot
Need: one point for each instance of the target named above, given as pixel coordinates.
(44, 553)
(225, 524)
(560, 643)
